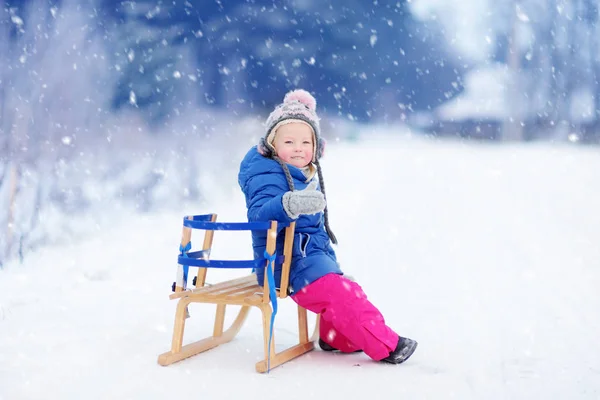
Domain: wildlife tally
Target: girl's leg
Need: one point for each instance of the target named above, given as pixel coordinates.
(343, 306)
(335, 339)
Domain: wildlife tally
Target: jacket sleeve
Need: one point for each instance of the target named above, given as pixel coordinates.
(265, 203)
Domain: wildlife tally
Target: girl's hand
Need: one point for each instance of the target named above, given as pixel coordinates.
(307, 201)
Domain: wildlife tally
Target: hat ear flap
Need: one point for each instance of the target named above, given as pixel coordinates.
(263, 149)
(321, 143)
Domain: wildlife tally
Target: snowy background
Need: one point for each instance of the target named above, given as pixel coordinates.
(469, 214)
(473, 250)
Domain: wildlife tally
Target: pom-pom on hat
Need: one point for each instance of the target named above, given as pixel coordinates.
(301, 107)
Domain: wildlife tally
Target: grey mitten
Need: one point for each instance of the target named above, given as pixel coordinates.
(307, 201)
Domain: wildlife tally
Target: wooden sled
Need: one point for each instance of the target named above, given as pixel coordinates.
(244, 292)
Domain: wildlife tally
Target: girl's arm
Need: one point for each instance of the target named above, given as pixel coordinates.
(265, 203)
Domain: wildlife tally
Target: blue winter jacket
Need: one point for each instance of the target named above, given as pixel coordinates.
(263, 182)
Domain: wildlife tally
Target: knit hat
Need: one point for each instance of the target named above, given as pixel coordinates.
(301, 107)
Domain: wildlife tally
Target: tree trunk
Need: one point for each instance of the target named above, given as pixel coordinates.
(512, 129)
(12, 197)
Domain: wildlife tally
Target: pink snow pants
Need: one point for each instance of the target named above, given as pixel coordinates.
(349, 321)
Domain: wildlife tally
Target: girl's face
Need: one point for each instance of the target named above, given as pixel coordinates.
(294, 144)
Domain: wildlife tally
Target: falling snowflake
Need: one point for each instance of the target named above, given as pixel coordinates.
(132, 98)
(16, 20)
(521, 14)
(373, 40)
(331, 335)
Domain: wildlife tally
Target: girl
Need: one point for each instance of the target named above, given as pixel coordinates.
(278, 180)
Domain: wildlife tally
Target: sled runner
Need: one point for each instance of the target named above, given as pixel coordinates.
(244, 292)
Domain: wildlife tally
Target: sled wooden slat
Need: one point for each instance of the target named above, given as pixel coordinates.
(254, 300)
(288, 244)
(244, 292)
(236, 289)
(219, 287)
(210, 289)
(207, 245)
(241, 295)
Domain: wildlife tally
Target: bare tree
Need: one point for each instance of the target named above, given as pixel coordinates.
(54, 94)
(512, 128)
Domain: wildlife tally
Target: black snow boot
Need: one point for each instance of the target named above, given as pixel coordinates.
(327, 347)
(403, 351)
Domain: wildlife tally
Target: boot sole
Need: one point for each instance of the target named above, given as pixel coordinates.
(409, 353)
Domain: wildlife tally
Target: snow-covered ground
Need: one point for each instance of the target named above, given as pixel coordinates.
(487, 254)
